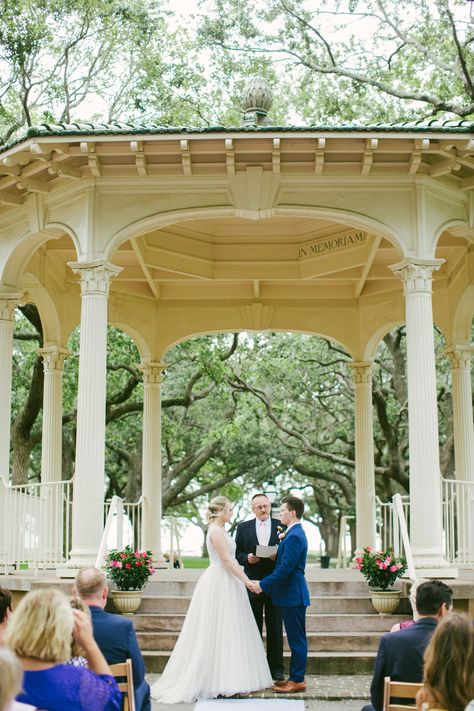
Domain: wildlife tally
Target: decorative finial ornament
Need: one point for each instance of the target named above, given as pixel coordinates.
(256, 101)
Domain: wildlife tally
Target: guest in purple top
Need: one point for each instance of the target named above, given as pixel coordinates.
(40, 633)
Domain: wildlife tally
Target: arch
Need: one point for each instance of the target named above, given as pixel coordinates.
(26, 246)
(463, 316)
(459, 228)
(165, 219)
(138, 339)
(376, 338)
(46, 308)
(198, 334)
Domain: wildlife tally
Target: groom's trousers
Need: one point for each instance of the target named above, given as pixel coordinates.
(274, 631)
(295, 626)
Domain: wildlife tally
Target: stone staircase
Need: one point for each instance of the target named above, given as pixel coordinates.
(343, 628)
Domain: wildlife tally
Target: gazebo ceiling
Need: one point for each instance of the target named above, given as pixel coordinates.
(280, 257)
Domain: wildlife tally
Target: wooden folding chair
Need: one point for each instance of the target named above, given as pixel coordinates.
(399, 690)
(124, 677)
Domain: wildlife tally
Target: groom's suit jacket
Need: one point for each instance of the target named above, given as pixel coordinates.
(246, 540)
(287, 584)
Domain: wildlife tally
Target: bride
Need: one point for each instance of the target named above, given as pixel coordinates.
(219, 651)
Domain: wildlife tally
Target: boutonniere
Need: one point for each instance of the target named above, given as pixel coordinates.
(281, 532)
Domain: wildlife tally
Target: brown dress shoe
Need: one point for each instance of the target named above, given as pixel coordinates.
(280, 682)
(290, 687)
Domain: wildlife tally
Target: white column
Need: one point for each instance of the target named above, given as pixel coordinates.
(151, 466)
(52, 439)
(364, 456)
(425, 476)
(8, 303)
(463, 430)
(88, 497)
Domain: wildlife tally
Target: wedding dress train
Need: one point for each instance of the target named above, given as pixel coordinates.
(219, 650)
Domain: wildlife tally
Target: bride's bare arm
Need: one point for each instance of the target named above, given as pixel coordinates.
(219, 541)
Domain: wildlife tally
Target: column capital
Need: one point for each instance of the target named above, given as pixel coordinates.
(362, 371)
(417, 274)
(53, 358)
(8, 303)
(152, 372)
(460, 357)
(95, 275)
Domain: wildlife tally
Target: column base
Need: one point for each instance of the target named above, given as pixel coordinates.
(80, 558)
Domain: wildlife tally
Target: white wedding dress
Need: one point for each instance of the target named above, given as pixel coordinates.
(219, 651)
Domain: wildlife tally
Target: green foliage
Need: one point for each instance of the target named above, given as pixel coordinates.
(129, 569)
(381, 569)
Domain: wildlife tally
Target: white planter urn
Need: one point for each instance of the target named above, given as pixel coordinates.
(127, 601)
(385, 601)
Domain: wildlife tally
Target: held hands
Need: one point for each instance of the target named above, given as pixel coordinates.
(254, 586)
(252, 559)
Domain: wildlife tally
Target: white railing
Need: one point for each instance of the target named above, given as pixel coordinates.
(35, 524)
(458, 522)
(387, 528)
(125, 525)
(344, 552)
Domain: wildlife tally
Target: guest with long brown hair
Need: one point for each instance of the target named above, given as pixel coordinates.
(449, 666)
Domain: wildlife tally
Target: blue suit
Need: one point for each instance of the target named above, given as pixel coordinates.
(116, 638)
(400, 656)
(289, 591)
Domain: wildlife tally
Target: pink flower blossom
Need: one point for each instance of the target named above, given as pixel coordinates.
(127, 565)
(118, 564)
(387, 560)
(137, 554)
(123, 555)
(144, 554)
(393, 568)
(358, 560)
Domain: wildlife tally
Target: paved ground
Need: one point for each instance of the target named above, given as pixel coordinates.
(323, 693)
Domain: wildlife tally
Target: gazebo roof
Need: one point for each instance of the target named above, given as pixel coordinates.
(119, 128)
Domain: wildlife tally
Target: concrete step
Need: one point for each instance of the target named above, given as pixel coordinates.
(351, 588)
(172, 622)
(317, 641)
(320, 604)
(348, 663)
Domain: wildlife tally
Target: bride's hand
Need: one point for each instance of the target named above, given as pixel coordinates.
(250, 584)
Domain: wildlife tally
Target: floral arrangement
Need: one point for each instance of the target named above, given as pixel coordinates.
(380, 569)
(129, 569)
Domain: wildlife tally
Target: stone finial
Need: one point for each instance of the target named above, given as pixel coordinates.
(256, 101)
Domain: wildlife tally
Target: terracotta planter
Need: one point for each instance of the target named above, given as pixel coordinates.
(386, 601)
(127, 601)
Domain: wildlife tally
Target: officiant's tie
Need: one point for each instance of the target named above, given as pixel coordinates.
(262, 534)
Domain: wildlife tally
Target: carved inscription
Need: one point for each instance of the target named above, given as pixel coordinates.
(331, 244)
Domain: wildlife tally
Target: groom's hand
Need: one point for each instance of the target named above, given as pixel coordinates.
(256, 587)
(252, 559)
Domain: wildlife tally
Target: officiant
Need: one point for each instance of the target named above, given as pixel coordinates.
(262, 531)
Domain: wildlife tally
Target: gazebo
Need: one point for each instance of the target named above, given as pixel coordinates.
(340, 231)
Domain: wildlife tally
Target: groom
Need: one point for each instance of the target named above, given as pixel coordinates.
(288, 590)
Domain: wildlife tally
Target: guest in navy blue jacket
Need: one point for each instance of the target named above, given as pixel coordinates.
(288, 590)
(400, 654)
(114, 634)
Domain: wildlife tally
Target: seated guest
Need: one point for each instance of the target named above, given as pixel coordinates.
(449, 666)
(5, 611)
(400, 654)
(40, 633)
(412, 598)
(77, 658)
(11, 675)
(114, 634)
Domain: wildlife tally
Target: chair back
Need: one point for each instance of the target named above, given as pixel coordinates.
(124, 677)
(399, 690)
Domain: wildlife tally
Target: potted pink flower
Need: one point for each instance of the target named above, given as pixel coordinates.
(129, 569)
(381, 570)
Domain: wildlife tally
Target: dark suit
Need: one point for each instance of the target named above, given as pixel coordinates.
(116, 638)
(400, 656)
(289, 591)
(246, 540)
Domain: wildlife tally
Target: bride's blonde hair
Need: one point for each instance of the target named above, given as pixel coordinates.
(217, 506)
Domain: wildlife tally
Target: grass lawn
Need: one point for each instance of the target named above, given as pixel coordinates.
(195, 562)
